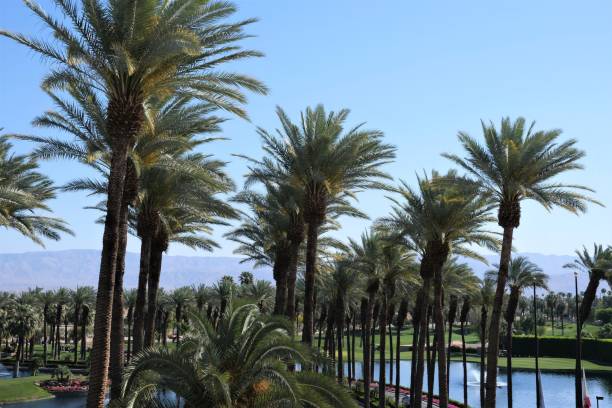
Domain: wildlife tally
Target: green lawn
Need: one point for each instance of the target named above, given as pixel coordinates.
(23, 389)
(546, 363)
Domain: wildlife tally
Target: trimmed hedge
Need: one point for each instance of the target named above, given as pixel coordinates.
(597, 350)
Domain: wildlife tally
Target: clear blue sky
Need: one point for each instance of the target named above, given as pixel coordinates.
(419, 71)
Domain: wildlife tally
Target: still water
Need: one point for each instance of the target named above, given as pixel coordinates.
(558, 388)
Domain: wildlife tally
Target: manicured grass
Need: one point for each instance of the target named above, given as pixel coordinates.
(23, 389)
(546, 363)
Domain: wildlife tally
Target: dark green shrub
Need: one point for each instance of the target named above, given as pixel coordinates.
(605, 332)
(599, 350)
(605, 315)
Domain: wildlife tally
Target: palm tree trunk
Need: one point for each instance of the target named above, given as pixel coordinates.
(439, 334)
(349, 374)
(423, 321)
(309, 280)
(58, 323)
(179, 316)
(100, 354)
(367, 379)
(294, 249)
(130, 316)
(353, 363)
(509, 316)
(75, 335)
(397, 364)
(45, 340)
(464, 358)
(589, 297)
(280, 271)
(373, 336)
(483, 348)
(493, 350)
(155, 265)
(141, 293)
(18, 354)
(339, 312)
(382, 380)
(415, 355)
(431, 362)
(117, 360)
(391, 349)
(84, 320)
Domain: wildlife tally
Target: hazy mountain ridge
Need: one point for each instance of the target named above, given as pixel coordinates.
(71, 268)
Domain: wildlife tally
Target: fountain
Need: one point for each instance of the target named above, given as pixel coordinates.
(476, 380)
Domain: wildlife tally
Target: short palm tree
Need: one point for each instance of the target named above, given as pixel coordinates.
(515, 164)
(82, 296)
(326, 163)
(22, 322)
(522, 274)
(132, 52)
(241, 363)
(180, 298)
(46, 299)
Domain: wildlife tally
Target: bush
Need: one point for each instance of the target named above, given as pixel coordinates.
(606, 331)
(605, 315)
(37, 363)
(598, 350)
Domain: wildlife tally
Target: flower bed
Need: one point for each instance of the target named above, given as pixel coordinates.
(65, 387)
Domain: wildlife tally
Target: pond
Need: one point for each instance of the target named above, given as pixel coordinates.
(7, 372)
(558, 388)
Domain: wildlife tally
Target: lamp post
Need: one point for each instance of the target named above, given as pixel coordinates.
(598, 398)
(579, 399)
(537, 345)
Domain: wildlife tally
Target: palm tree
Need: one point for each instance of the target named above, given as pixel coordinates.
(327, 164)
(62, 297)
(517, 164)
(522, 274)
(130, 303)
(46, 299)
(598, 265)
(132, 52)
(82, 296)
(241, 363)
(24, 192)
(180, 299)
(463, 316)
(445, 215)
(22, 322)
(485, 298)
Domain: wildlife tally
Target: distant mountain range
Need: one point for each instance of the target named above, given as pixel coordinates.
(71, 268)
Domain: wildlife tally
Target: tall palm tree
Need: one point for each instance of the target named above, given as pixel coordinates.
(180, 298)
(522, 274)
(22, 322)
(130, 303)
(24, 193)
(598, 265)
(81, 296)
(515, 164)
(484, 299)
(241, 363)
(131, 52)
(62, 298)
(46, 299)
(445, 215)
(326, 163)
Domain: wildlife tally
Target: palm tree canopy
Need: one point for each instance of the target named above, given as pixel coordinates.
(522, 273)
(598, 263)
(240, 363)
(517, 162)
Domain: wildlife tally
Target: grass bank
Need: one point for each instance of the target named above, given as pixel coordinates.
(23, 389)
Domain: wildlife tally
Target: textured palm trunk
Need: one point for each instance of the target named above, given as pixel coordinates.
(349, 374)
(75, 332)
(496, 313)
(509, 317)
(155, 265)
(280, 271)
(483, 350)
(397, 365)
(373, 338)
(179, 316)
(589, 297)
(423, 322)
(353, 363)
(294, 249)
(367, 379)
(45, 340)
(309, 281)
(117, 360)
(123, 121)
(416, 325)
(84, 320)
(382, 380)
(339, 312)
(141, 292)
(18, 354)
(431, 362)
(464, 362)
(58, 324)
(452, 312)
(439, 334)
(130, 316)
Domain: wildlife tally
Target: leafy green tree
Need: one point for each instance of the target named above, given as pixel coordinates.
(518, 163)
